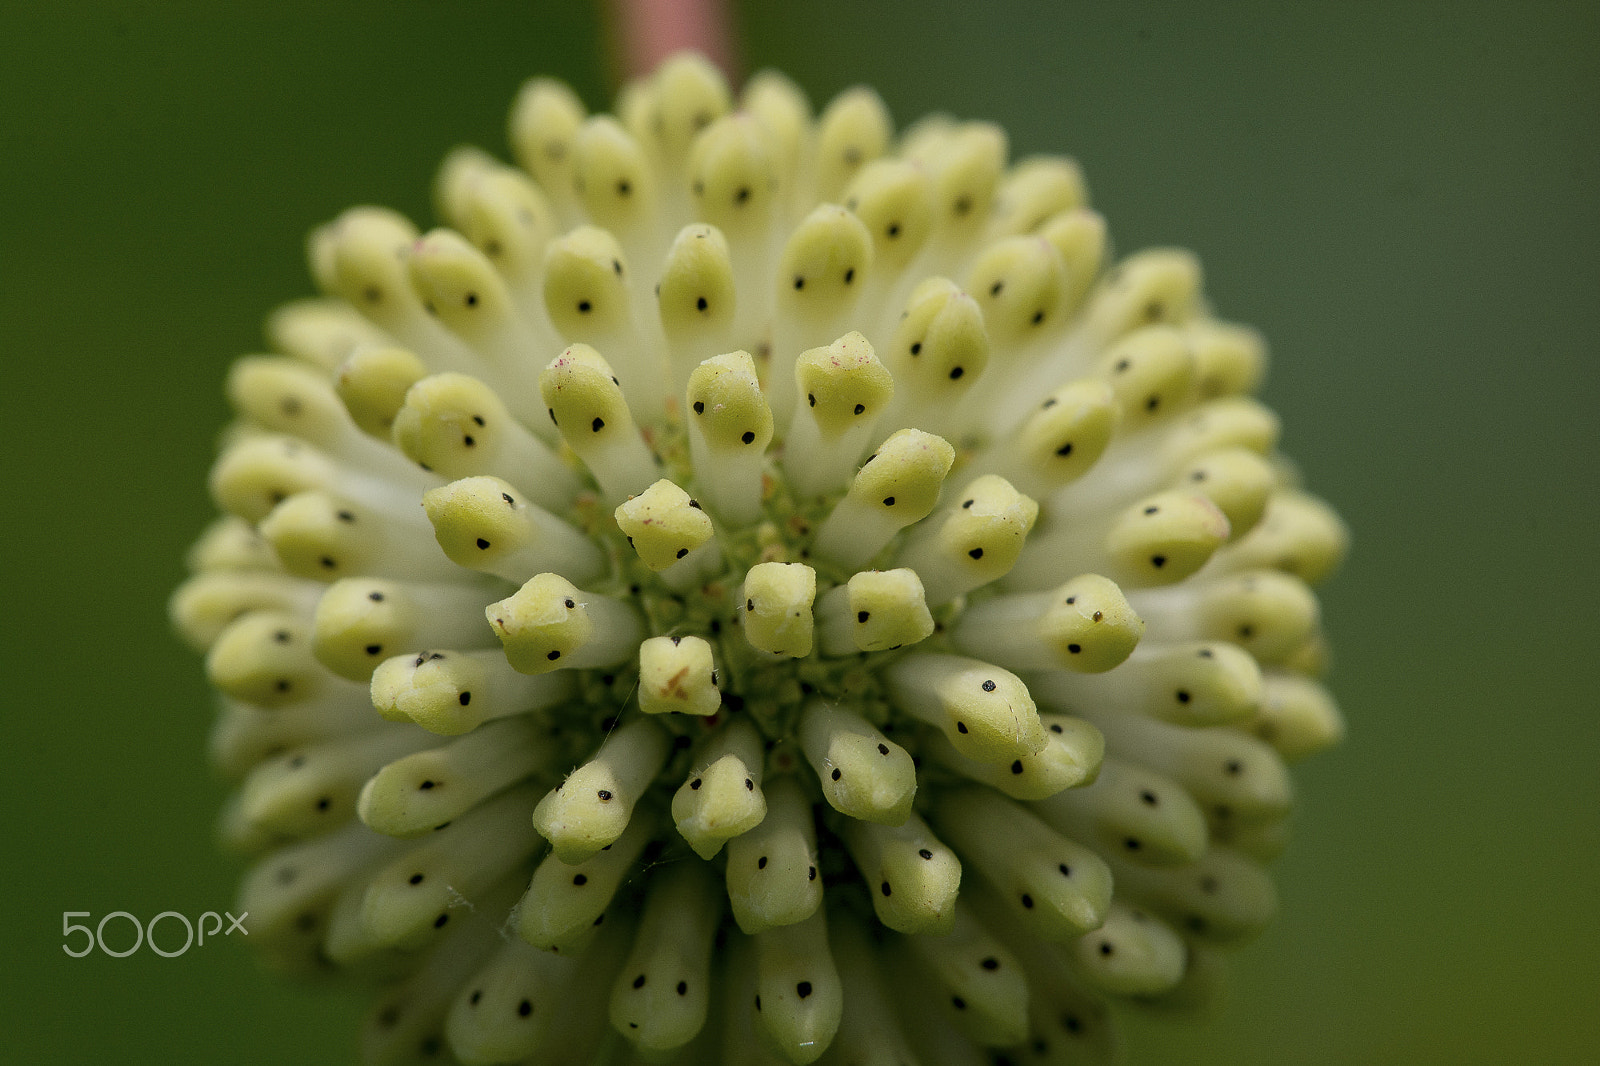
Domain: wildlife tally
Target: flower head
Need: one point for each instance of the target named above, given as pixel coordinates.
(755, 584)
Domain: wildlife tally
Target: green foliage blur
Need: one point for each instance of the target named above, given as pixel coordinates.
(1401, 196)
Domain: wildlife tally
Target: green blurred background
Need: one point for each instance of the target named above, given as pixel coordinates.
(1403, 196)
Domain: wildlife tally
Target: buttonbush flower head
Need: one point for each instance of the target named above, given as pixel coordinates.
(752, 585)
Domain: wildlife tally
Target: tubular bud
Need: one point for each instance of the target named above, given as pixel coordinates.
(1193, 684)
(1035, 191)
(1062, 439)
(1297, 716)
(853, 130)
(863, 773)
(1131, 812)
(660, 997)
(777, 601)
(732, 177)
(729, 427)
(206, 604)
(1070, 759)
(1230, 360)
(307, 791)
(1085, 626)
(1155, 285)
(1151, 372)
(1298, 534)
(486, 524)
(922, 875)
(977, 541)
(1237, 481)
(544, 127)
(876, 610)
(322, 332)
(722, 798)
(984, 990)
(1164, 538)
(1228, 773)
(590, 809)
(586, 404)
(1132, 954)
(612, 176)
(551, 624)
(264, 657)
(1057, 889)
(457, 427)
(414, 794)
(1079, 238)
(362, 621)
(797, 988)
(663, 524)
(323, 538)
(939, 349)
(373, 382)
(402, 909)
(897, 486)
(894, 199)
(1018, 283)
(984, 711)
(453, 692)
(772, 869)
(1223, 897)
(565, 901)
(677, 676)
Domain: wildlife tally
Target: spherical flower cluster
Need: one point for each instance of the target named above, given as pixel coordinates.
(756, 587)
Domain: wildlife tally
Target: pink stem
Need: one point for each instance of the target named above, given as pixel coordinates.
(647, 31)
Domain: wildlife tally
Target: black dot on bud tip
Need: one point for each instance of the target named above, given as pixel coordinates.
(758, 1003)
(695, 784)
(439, 922)
(570, 603)
(327, 563)
(375, 597)
(958, 1003)
(1074, 648)
(1027, 901)
(1066, 871)
(524, 1008)
(850, 275)
(749, 785)
(991, 963)
(682, 552)
(1016, 766)
(638, 982)
(812, 399)
(799, 283)
(468, 441)
(553, 656)
(1106, 948)
(976, 553)
(1158, 561)
(968, 504)
(416, 879)
(482, 544)
(750, 605)
(683, 988)
(837, 773)
(374, 649)
(701, 303)
(1132, 844)
(883, 749)
(597, 425)
(961, 727)
(803, 989)
(761, 863)
(994, 290)
(925, 853)
(811, 873)
(988, 686)
(604, 794)
(860, 408)
(749, 437)
(862, 616)
(1233, 767)
(584, 306)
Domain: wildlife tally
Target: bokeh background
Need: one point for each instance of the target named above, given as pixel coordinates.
(1404, 196)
